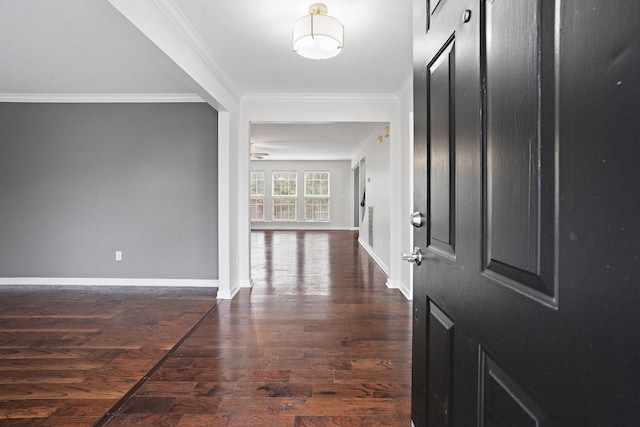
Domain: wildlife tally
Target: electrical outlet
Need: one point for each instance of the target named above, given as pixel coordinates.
(118, 255)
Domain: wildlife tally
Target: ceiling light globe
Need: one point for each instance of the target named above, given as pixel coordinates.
(318, 36)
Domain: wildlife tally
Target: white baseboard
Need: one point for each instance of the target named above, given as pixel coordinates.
(100, 281)
(230, 293)
(393, 284)
(399, 284)
(406, 292)
(275, 226)
(373, 255)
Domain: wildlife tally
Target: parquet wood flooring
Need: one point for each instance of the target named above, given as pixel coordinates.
(318, 341)
(68, 354)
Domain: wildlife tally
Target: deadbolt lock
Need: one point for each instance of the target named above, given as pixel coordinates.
(417, 219)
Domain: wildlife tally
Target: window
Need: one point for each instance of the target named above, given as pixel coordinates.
(257, 195)
(284, 196)
(316, 196)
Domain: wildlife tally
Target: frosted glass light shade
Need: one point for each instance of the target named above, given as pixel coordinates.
(318, 36)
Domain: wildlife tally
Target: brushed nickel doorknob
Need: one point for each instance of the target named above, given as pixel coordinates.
(414, 257)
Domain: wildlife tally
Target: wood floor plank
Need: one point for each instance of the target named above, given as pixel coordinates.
(49, 365)
(282, 389)
(147, 419)
(344, 421)
(61, 391)
(375, 390)
(40, 354)
(167, 389)
(43, 376)
(16, 409)
(223, 420)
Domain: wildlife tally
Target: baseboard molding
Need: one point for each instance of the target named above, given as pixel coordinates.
(399, 284)
(404, 289)
(373, 255)
(100, 281)
(228, 292)
(231, 292)
(280, 227)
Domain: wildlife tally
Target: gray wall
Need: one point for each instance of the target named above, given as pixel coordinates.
(80, 181)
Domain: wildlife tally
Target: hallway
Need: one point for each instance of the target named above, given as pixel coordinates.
(318, 341)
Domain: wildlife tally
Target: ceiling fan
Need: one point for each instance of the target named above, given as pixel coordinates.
(258, 156)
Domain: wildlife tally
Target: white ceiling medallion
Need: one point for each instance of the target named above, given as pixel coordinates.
(318, 35)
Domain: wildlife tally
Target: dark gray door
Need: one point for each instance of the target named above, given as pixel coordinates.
(527, 133)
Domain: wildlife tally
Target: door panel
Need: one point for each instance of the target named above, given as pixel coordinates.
(525, 165)
(440, 367)
(518, 252)
(441, 145)
(502, 402)
(513, 141)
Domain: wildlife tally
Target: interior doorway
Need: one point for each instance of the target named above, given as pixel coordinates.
(356, 193)
(337, 149)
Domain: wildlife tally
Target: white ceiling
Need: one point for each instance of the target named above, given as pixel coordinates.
(87, 47)
(253, 41)
(310, 141)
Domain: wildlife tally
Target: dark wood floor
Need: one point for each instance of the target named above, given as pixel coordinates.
(67, 355)
(318, 341)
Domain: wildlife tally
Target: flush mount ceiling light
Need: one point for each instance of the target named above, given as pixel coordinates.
(318, 35)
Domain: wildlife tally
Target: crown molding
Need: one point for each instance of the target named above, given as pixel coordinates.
(320, 97)
(100, 97)
(174, 15)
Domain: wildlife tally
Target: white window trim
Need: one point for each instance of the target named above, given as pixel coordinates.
(256, 196)
(315, 196)
(275, 196)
